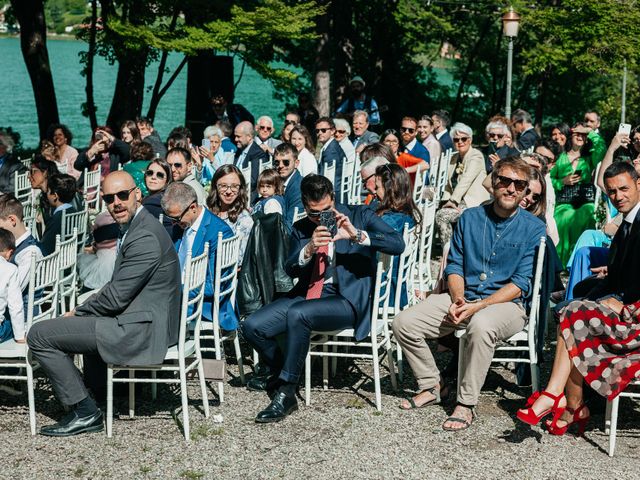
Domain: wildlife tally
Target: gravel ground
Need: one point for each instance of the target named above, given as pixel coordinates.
(340, 435)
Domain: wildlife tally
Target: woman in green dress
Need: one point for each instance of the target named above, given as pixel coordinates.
(572, 179)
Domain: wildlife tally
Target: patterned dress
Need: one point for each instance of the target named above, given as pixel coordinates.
(603, 345)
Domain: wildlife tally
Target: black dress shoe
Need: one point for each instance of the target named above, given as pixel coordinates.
(74, 425)
(281, 405)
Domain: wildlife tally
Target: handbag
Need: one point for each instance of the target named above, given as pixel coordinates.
(576, 195)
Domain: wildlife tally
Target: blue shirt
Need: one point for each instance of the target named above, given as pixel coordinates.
(374, 113)
(503, 249)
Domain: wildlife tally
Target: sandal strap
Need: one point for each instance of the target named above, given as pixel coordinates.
(556, 398)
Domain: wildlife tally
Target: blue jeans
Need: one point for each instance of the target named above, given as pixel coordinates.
(584, 260)
(6, 332)
(296, 317)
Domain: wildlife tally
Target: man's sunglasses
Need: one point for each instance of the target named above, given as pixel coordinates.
(290, 122)
(123, 196)
(178, 219)
(504, 182)
(322, 130)
(151, 173)
(365, 180)
(496, 135)
(177, 165)
(407, 129)
(284, 162)
(315, 214)
(262, 127)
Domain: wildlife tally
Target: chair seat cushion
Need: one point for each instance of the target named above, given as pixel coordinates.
(11, 349)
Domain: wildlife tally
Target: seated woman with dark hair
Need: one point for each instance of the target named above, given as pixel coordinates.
(61, 189)
(396, 208)
(141, 156)
(156, 178)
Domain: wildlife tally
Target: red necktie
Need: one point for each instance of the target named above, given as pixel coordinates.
(317, 276)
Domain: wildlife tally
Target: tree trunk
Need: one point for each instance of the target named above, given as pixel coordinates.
(90, 105)
(322, 77)
(129, 90)
(542, 88)
(33, 42)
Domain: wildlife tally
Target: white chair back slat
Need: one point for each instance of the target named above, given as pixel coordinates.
(265, 165)
(381, 295)
(68, 260)
(26, 161)
(195, 275)
(418, 185)
(422, 276)
(246, 173)
(299, 214)
(22, 187)
(406, 263)
(75, 222)
(347, 179)
(44, 277)
(330, 172)
(443, 170)
(91, 188)
(226, 275)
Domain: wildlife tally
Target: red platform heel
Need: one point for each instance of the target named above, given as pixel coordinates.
(529, 416)
(554, 429)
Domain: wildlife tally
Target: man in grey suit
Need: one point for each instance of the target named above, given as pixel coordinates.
(264, 137)
(361, 136)
(131, 321)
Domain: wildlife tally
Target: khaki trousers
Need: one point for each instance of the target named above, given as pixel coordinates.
(414, 326)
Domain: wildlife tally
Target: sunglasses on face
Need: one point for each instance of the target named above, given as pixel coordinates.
(151, 173)
(322, 130)
(177, 165)
(262, 127)
(496, 135)
(314, 214)
(341, 132)
(535, 197)
(407, 129)
(178, 219)
(284, 162)
(290, 122)
(122, 195)
(365, 180)
(460, 139)
(504, 182)
(223, 187)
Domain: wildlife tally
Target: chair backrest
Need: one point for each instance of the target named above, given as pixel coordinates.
(534, 307)
(418, 185)
(67, 262)
(193, 286)
(347, 179)
(75, 223)
(22, 187)
(91, 188)
(29, 217)
(422, 276)
(406, 263)
(26, 161)
(44, 277)
(226, 274)
(246, 173)
(330, 172)
(443, 170)
(381, 294)
(265, 165)
(298, 214)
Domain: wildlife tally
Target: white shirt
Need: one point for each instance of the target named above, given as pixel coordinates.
(272, 206)
(188, 237)
(62, 207)
(11, 298)
(439, 135)
(121, 240)
(23, 260)
(307, 163)
(243, 155)
(631, 216)
(410, 145)
(324, 147)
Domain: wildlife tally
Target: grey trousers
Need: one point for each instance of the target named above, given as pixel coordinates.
(53, 343)
(422, 322)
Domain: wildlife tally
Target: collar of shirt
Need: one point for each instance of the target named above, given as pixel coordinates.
(22, 238)
(411, 144)
(631, 216)
(125, 228)
(196, 224)
(286, 182)
(2, 159)
(324, 147)
(62, 207)
(439, 135)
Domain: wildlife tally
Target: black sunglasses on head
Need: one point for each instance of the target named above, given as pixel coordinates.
(504, 182)
(123, 196)
(151, 173)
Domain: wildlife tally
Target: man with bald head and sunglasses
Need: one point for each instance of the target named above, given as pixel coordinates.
(489, 276)
(132, 320)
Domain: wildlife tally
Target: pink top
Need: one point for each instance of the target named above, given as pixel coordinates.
(68, 158)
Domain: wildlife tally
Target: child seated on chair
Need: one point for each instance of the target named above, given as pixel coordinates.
(61, 190)
(12, 326)
(271, 189)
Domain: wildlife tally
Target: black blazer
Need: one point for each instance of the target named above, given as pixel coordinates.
(622, 268)
(8, 171)
(292, 198)
(52, 228)
(118, 154)
(527, 140)
(355, 264)
(334, 152)
(445, 141)
(255, 156)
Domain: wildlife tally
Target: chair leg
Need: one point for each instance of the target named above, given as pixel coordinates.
(376, 376)
(392, 370)
(607, 419)
(325, 368)
(535, 377)
(154, 386)
(32, 402)
(613, 425)
(461, 348)
(109, 401)
(236, 344)
(203, 387)
(307, 380)
(334, 362)
(218, 352)
(256, 360)
(400, 361)
(132, 395)
(185, 400)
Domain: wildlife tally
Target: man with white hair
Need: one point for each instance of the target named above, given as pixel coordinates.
(368, 174)
(498, 135)
(264, 138)
(8, 164)
(361, 135)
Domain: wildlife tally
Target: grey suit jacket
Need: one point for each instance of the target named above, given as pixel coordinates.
(367, 138)
(140, 306)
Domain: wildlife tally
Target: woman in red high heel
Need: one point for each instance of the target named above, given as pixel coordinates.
(598, 340)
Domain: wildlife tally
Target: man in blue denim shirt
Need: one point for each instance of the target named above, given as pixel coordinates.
(489, 274)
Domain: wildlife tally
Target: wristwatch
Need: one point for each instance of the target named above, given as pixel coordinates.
(357, 238)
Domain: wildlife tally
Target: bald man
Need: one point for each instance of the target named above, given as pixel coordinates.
(132, 320)
(249, 153)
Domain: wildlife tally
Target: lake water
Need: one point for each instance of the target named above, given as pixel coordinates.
(17, 107)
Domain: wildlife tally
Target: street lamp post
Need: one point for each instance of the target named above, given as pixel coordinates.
(510, 24)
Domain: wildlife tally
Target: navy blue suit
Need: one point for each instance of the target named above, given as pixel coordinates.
(255, 156)
(292, 198)
(420, 151)
(345, 303)
(207, 232)
(332, 153)
(52, 228)
(446, 142)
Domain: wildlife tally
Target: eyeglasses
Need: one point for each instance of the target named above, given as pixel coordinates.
(341, 132)
(285, 162)
(223, 187)
(496, 135)
(122, 195)
(460, 140)
(636, 140)
(177, 165)
(391, 142)
(151, 173)
(365, 180)
(262, 127)
(315, 214)
(178, 219)
(504, 182)
(535, 197)
(407, 129)
(322, 130)
(290, 122)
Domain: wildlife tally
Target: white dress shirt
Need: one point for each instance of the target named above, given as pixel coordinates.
(188, 237)
(11, 298)
(23, 260)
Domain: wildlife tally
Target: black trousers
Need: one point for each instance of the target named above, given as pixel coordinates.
(296, 317)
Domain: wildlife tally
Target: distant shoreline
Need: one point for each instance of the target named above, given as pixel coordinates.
(50, 36)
